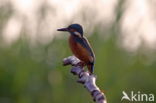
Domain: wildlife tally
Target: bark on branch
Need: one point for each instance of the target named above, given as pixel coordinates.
(89, 81)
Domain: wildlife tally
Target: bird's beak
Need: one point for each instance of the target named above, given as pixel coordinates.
(62, 29)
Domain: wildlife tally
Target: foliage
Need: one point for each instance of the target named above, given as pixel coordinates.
(36, 75)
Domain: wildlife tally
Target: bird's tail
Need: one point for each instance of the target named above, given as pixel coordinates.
(90, 67)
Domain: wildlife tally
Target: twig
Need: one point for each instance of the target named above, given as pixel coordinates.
(89, 81)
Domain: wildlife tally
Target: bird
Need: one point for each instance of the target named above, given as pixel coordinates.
(80, 46)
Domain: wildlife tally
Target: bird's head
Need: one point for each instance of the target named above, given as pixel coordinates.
(73, 29)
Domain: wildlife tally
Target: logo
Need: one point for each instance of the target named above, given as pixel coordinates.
(137, 96)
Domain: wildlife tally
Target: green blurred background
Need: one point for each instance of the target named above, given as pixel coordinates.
(31, 69)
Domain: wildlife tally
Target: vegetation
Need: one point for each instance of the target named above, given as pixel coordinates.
(34, 73)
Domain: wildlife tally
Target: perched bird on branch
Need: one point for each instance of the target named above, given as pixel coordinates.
(80, 46)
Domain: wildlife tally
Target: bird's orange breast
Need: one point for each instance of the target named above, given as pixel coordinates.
(79, 51)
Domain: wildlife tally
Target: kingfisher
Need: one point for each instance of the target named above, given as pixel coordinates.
(80, 46)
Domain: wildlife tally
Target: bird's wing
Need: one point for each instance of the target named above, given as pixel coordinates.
(84, 42)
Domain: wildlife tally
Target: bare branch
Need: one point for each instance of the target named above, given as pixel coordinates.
(89, 81)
